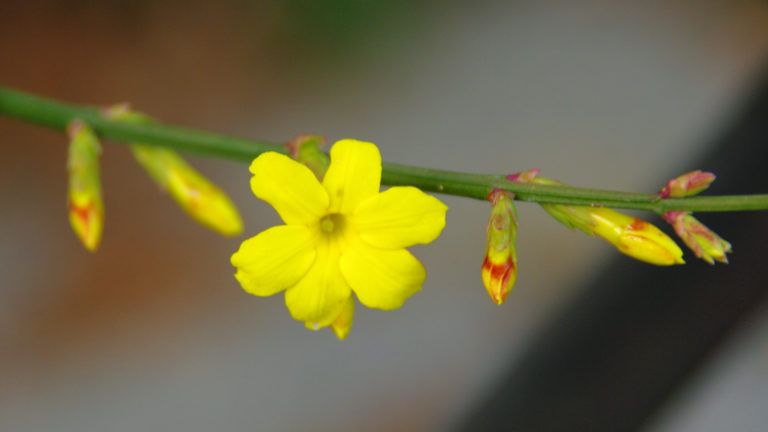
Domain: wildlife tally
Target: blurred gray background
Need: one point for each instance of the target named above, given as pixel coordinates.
(154, 333)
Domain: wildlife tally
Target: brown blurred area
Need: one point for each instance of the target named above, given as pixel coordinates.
(153, 333)
(62, 304)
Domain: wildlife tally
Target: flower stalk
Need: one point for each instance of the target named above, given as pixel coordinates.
(56, 115)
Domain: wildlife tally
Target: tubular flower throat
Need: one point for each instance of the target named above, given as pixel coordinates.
(340, 236)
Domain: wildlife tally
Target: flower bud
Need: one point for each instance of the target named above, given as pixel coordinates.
(630, 235)
(122, 112)
(86, 207)
(704, 243)
(307, 150)
(500, 265)
(526, 176)
(634, 237)
(688, 184)
(343, 324)
(196, 195)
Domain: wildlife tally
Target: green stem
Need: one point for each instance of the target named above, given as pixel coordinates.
(57, 115)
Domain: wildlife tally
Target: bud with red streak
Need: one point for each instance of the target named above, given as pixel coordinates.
(630, 235)
(688, 184)
(86, 206)
(704, 242)
(499, 269)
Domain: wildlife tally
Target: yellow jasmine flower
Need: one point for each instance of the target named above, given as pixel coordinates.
(340, 236)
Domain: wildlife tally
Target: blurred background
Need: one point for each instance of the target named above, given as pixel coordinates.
(154, 333)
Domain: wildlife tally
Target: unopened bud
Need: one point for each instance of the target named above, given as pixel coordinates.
(307, 150)
(500, 265)
(704, 242)
(634, 237)
(86, 206)
(631, 236)
(526, 176)
(688, 184)
(196, 195)
(124, 113)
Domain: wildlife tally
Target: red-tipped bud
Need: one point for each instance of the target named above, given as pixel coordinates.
(688, 184)
(86, 206)
(524, 176)
(704, 242)
(500, 265)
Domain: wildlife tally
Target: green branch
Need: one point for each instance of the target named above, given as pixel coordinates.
(57, 115)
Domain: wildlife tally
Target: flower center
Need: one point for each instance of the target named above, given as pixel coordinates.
(333, 224)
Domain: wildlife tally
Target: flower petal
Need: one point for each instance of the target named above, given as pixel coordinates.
(381, 278)
(274, 259)
(399, 217)
(343, 323)
(289, 187)
(354, 174)
(319, 297)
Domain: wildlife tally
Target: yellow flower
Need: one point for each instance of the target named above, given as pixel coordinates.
(343, 323)
(340, 236)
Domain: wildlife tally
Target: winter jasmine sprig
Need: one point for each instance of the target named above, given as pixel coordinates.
(344, 240)
(57, 115)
